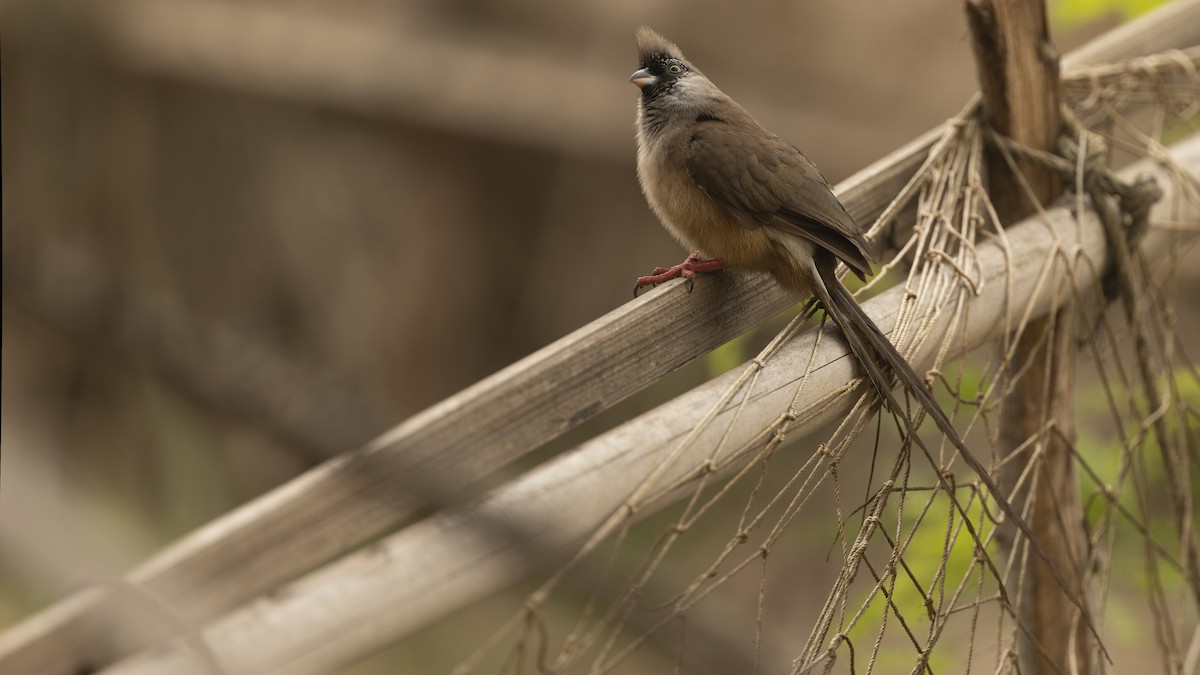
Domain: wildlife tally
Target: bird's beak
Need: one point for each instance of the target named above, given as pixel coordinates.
(642, 78)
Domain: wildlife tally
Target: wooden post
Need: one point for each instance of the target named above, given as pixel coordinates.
(1018, 72)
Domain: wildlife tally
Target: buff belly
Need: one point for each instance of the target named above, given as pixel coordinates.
(700, 224)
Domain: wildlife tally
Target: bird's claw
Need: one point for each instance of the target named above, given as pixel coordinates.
(687, 269)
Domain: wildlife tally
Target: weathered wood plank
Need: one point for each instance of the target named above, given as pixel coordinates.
(1018, 69)
(361, 495)
(351, 608)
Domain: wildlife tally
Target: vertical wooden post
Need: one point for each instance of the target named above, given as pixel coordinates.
(1018, 74)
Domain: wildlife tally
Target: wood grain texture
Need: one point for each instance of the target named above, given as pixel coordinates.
(404, 582)
(1018, 70)
(338, 506)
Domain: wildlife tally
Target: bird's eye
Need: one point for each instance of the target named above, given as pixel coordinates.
(675, 69)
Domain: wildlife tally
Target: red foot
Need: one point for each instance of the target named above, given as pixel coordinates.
(686, 269)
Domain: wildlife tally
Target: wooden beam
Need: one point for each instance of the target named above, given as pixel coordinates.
(431, 74)
(355, 498)
(356, 606)
(1018, 69)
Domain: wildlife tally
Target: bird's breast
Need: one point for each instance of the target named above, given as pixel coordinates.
(681, 206)
(700, 223)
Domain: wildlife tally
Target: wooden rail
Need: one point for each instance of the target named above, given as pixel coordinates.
(338, 506)
(401, 584)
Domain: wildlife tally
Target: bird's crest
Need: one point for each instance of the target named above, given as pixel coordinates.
(652, 46)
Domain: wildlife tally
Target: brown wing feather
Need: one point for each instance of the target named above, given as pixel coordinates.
(765, 181)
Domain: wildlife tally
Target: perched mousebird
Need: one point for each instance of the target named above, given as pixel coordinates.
(726, 187)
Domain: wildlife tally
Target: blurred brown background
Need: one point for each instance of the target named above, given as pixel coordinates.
(240, 237)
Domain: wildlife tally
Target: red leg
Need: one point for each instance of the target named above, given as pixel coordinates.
(686, 269)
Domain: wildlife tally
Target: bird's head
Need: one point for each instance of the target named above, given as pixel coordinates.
(662, 68)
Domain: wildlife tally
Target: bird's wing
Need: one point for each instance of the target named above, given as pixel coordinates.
(765, 181)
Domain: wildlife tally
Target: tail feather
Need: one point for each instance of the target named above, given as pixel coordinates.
(868, 344)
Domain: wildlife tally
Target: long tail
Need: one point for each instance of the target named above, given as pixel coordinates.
(868, 343)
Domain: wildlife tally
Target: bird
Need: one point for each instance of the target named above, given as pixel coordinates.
(729, 189)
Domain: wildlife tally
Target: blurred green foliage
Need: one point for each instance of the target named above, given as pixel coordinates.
(1071, 13)
(729, 355)
(1102, 450)
(929, 550)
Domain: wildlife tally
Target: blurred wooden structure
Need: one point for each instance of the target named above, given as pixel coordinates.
(354, 498)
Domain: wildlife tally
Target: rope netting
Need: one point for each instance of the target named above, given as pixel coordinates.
(723, 580)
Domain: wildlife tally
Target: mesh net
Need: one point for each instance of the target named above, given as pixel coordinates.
(843, 552)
